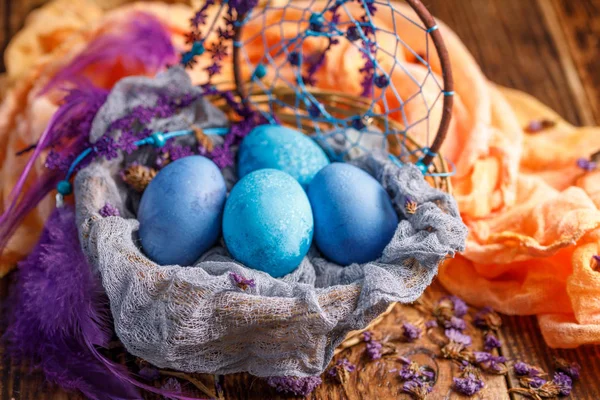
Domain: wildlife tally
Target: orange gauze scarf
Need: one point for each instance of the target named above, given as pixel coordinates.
(533, 215)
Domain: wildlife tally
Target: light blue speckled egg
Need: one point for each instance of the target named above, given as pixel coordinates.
(181, 210)
(285, 149)
(268, 222)
(354, 216)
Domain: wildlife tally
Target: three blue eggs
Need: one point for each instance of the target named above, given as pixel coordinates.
(268, 222)
(281, 148)
(180, 211)
(287, 192)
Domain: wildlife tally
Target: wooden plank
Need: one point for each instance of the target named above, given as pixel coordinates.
(512, 44)
(580, 24)
(523, 342)
(572, 74)
(4, 30)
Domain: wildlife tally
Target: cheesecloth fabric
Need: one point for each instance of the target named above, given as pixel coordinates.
(197, 319)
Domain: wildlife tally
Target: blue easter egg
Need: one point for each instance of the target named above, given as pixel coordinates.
(354, 216)
(285, 149)
(180, 211)
(268, 222)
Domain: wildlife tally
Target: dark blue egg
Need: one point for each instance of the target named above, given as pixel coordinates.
(285, 149)
(354, 216)
(268, 222)
(181, 210)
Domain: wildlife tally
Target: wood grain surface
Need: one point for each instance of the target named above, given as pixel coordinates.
(548, 48)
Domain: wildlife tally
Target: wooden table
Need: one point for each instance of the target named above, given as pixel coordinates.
(548, 48)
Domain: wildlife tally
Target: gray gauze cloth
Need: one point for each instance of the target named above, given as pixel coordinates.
(196, 319)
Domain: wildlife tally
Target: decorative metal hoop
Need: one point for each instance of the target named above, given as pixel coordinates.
(438, 41)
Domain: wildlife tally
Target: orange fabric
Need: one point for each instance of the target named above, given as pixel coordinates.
(534, 217)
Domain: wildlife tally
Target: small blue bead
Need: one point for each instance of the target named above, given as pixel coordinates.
(295, 58)
(198, 48)
(314, 111)
(187, 57)
(64, 187)
(158, 139)
(260, 71)
(422, 167)
(381, 81)
(316, 22)
(352, 33)
(358, 124)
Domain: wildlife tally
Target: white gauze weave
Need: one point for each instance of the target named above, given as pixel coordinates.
(196, 319)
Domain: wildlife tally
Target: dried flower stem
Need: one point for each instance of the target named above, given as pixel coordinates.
(199, 385)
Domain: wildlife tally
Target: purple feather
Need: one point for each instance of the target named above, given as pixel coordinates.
(59, 317)
(68, 129)
(142, 41)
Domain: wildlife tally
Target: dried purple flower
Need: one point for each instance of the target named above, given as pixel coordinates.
(218, 51)
(468, 384)
(127, 142)
(414, 371)
(564, 383)
(536, 125)
(410, 332)
(341, 370)
(299, 386)
(407, 373)
(455, 323)
(450, 306)
(241, 282)
(490, 342)
(489, 362)
(374, 350)
(524, 369)
(222, 156)
(458, 337)
(586, 165)
(171, 385)
(149, 373)
(432, 323)
(417, 389)
(56, 161)
(108, 210)
(176, 152)
(374, 347)
(535, 382)
(487, 318)
(107, 148)
(521, 368)
(460, 307)
(572, 369)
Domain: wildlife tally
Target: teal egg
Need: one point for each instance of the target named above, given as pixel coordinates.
(268, 222)
(354, 216)
(180, 211)
(281, 148)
